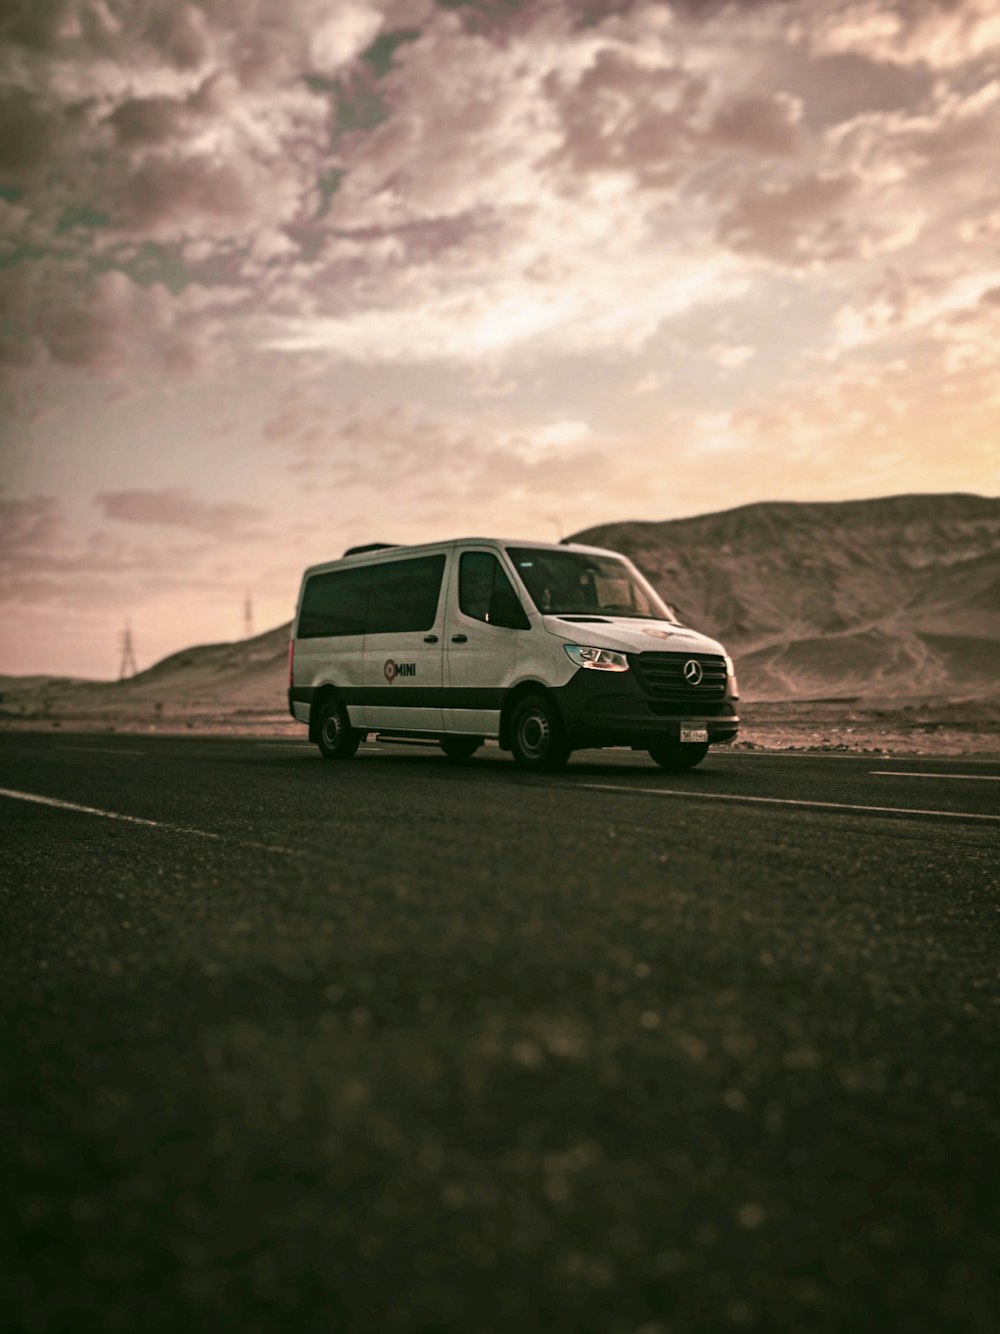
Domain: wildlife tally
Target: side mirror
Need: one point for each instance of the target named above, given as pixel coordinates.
(506, 611)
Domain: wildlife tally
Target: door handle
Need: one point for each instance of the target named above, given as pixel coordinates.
(460, 639)
(430, 639)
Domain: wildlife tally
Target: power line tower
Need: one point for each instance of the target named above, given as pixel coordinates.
(128, 667)
(248, 617)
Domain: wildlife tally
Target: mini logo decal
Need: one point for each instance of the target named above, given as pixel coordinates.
(693, 672)
(394, 669)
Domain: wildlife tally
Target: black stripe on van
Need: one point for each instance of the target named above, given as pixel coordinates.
(409, 697)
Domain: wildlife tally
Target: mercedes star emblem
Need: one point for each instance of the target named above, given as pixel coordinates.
(693, 672)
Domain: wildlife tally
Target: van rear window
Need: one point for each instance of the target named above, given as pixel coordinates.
(377, 599)
(335, 603)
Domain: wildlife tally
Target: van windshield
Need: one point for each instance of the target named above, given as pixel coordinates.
(578, 583)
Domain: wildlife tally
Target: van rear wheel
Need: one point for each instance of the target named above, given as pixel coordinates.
(460, 747)
(678, 757)
(537, 738)
(336, 738)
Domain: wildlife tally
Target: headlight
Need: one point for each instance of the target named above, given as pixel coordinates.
(597, 659)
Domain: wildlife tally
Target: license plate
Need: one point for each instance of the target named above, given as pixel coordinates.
(693, 733)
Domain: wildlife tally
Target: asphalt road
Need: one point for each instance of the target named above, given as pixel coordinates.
(410, 1045)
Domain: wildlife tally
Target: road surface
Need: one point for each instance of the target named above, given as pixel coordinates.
(409, 1045)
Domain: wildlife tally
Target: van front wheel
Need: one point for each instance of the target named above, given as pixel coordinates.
(677, 757)
(336, 738)
(537, 738)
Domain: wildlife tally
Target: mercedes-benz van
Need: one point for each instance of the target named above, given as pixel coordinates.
(546, 649)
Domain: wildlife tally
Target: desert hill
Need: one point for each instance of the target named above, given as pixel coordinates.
(248, 676)
(878, 601)
(246, 672)
(891, 598)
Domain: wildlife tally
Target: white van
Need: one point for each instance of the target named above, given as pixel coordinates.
(547, 649)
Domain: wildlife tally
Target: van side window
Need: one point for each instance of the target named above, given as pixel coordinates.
(335, 604)
(480, 576)
(405, 594)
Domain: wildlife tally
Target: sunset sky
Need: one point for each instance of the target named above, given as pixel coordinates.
(280, 276)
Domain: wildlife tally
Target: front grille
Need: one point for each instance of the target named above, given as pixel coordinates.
(662, 675)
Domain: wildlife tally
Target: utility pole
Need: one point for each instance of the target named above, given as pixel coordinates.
(128, 663)
(248, 617)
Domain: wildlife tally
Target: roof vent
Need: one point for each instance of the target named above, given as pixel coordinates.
(371, 546)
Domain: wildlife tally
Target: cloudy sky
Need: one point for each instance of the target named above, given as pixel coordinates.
(279, 276)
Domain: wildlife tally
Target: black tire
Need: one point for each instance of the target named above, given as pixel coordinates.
(460, 747)
(336, 738)
(678, 757)
(537, 737)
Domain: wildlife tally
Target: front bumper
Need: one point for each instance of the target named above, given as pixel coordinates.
(612, 709)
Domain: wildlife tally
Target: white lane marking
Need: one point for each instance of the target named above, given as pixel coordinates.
(93, 810)
(129, 819)
(780, 801)
(717, 754)
(791, 755)
(905, 773)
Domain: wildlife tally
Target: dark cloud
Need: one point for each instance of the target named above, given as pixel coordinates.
(27, 524)
(46, 563)
(435, 460)
(101, 77)
(757, 124)
(28, 134)
(167, 189)
(179, 31)
(147, 120)
(841, 87)
(795, 223)
(34, 24)
(40, 559)
(208, 133)
(955, 143)
(109, 323)
(177, 507)
(622, 115)
(20, 350)
(100, 322)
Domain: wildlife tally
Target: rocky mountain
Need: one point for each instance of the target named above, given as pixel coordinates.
(880, 599)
